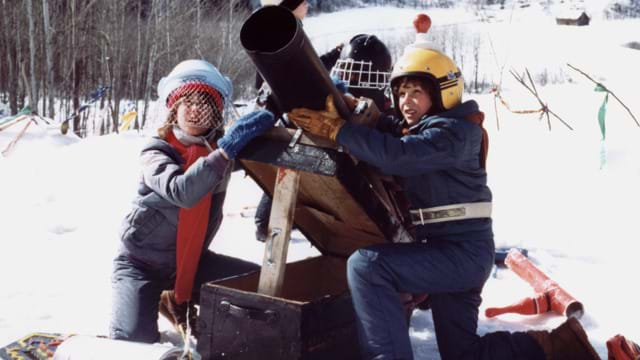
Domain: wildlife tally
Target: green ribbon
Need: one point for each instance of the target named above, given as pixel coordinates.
(25, 111)
(602, 113)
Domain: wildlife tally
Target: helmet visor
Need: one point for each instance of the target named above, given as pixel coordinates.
(360, 74)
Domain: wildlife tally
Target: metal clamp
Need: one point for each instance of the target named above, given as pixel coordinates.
(361, 106)
(295, 138)
(274, 233)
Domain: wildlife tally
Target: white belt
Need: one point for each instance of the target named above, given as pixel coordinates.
(450, 213)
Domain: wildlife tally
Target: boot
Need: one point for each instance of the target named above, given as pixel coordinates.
(179, 315)
(262, 231)
(567, 341)
(621, 348)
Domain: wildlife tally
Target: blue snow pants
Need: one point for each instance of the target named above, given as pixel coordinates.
(136, 292)
(453, 274)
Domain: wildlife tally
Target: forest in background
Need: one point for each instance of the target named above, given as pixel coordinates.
(65, 50)
(56, 53)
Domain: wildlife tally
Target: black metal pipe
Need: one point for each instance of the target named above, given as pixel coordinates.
(276, 43)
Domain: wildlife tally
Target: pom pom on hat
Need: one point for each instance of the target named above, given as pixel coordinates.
(422, 23)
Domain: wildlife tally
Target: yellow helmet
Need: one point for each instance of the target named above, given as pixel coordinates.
(434, 66)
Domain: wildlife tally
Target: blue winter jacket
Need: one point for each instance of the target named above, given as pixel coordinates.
(440, 161)
(149, 231)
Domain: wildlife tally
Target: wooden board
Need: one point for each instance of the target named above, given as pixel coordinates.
(341, 205)
(280, 224)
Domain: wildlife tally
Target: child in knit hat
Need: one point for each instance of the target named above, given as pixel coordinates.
(164, 256)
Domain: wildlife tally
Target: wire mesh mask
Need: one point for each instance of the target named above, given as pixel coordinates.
(360, 74)
(198, 105)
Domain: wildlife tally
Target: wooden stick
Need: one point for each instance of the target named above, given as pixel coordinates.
(548, 119)
(607, 90)
(533, 84)
(495, 109)
(532, 89)
(558, 117)
(13, 142)
(285, 194)
(10, 123)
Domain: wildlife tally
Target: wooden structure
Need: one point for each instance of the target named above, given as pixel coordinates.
(301, 310)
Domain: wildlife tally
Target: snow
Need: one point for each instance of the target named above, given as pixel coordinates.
(62, 198)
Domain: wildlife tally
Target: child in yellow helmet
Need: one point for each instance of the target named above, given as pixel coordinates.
(437, 144)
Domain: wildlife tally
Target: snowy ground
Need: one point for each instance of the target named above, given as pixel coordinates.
(62, 199)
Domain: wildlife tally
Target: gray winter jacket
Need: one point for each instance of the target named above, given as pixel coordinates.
(149, 231)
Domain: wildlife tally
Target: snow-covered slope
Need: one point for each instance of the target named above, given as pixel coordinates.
(61, 203)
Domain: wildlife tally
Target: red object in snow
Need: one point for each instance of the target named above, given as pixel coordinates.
(620, 348)
(422, 23)
(561, 301)
(539, 304)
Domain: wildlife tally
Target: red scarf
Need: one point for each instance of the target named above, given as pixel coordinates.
(192, 226)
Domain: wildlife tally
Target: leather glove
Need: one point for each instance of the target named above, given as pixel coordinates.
(325, 123)
(244, 130)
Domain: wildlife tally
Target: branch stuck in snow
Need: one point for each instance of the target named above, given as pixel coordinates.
(607, 90)
(544, 109)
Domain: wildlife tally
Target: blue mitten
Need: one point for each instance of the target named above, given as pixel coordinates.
(245, 129)
(340, 84)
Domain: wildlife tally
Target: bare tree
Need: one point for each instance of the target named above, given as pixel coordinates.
(12, 79)
(69, 42)
(138, 66)
(152, 60)
(74, 64)
(48, 53)
(33, 96)
(476, 63)
(116, 52)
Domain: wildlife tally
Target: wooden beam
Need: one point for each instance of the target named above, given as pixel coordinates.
(280, 222)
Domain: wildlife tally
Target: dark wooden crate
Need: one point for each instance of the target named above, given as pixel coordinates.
(313, 319)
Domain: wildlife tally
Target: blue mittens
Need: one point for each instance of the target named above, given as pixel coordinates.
(340, 84)
(245, 129)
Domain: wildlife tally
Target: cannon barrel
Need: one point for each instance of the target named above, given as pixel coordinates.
(278, 46)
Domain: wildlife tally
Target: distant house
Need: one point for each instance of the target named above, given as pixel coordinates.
(630, 45)
(576, 19)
